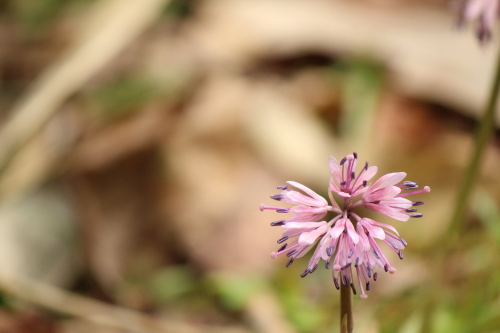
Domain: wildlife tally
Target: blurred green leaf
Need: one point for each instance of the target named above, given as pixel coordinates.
(172, 283)
(234, 290)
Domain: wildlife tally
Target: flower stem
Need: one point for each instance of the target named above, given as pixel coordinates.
(346, 320)
(483, 136)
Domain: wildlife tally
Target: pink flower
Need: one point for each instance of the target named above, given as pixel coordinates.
(347, 240)
(485, 11)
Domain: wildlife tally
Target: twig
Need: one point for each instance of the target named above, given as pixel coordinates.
(100, 313)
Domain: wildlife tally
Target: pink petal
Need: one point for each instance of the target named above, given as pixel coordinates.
(301, 199)
(352, 233)
(385, 193)
(309, 237)
(386, 210)
(307, 190)
(335, 171)
(387, 226)
(389, 180)
(338, 228)
(374, 231)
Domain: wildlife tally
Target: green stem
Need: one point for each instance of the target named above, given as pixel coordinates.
(483, 136)
(346, 320)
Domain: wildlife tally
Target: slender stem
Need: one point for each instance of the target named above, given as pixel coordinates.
(483, 136)
(346, 320)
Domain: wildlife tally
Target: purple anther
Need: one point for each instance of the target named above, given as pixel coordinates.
(277, 197)
(278, 223)
(282, 247)
(282, 239)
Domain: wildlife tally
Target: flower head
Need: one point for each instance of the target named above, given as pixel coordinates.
(347, 242)
(485, 12)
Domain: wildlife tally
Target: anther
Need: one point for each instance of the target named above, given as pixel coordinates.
(278, 223)
(282, 239)
(343, 183)
(403, 241)
(416, 215)
(353, 175)
(417, 203)
(408, 183)
(282, 247)
(393, 244)
(386, 267)
(375, 253)
(375, 276)
(351, 252)
(304, 273)
(329, 251)
(346, 266)
(327, 264)
(291, 253)
(412, 187)
(365, 182)
(400, 254)
(356, 263)
(342, 161)
(345, 280)
(355, 154)
(290, 262)
(277, 197)
(411, 210)
(366, 165)
(367, 285)
(282, 187)
(336, 282)
(353, 288)
(313, 269)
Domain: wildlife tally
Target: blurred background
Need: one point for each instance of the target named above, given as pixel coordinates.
(138, 138)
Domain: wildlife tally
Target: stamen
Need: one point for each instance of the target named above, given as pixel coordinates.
(400, 254)
(403, 241)
(353, 175)
(351, 252)
(313, 269)
(336, 282)
(327, 264)
(365, 182)
(291, 253)
(408, 183)
(346, 266)
(329, 251)
(282, 247)
(282, 210)
(282, 187)
(355, 154)
(417, 203)
(353, 288)
(343, 183)
(393, 244)
(278, 223)
(367, 285)
(412, 210)
(345, 280)
(416, 215)
(386, 267)
(376, 254)
(282, 239)
(366, 165)
(290, 262)
(356, 262)
(277, 197)
(304, 273)
(375, 276)
(342, 161)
